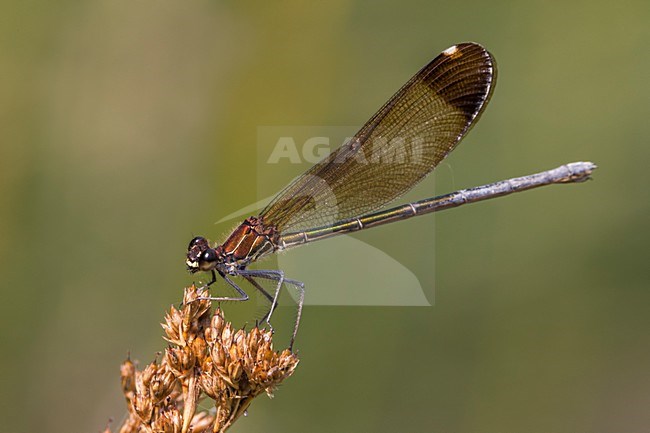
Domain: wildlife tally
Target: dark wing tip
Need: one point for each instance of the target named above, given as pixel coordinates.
(464, 76)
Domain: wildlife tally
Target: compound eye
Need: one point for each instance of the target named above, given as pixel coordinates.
(197, 241)
(209, 256)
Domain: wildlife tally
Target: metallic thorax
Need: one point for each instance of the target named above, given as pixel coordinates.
(247, 243)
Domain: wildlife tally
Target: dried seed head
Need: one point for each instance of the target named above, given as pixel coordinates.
(148, 373)
(127, 375)
(206, 357)
(168, 421)
(162, 385)
(143, 407)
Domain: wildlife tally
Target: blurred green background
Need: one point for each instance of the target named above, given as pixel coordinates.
(129, 126)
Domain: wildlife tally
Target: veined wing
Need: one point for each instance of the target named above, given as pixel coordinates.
(396, 148)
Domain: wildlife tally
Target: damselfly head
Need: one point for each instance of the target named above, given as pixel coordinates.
(200, 257)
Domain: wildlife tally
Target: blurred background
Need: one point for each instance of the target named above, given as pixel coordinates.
(128, 127)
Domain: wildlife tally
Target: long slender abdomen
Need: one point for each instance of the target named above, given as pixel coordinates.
(569, 173)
